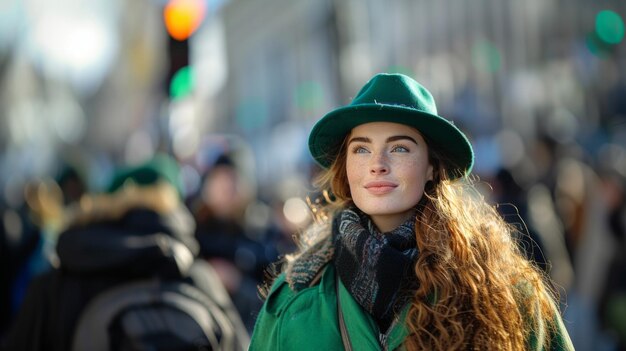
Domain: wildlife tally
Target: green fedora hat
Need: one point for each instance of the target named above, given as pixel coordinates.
(392, 98)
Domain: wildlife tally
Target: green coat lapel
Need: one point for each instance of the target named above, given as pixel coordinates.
(361, 327)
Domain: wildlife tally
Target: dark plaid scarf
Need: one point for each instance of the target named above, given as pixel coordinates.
(376, 268)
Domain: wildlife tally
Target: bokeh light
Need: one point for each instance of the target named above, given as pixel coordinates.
(76, 47)
(183, 17)
(182, 83)
(185, 137)
(296, 211)
(609, 27)
(486, 57)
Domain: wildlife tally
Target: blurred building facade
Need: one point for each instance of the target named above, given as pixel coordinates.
(268, 71)
(521, 67)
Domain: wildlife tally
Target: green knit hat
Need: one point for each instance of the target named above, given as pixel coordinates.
(392, 98)
(160, 167)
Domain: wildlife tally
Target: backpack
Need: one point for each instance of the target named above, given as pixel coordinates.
(154, 315)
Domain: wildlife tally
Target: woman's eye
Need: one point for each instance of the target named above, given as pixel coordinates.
(399, 149)
(359, 150)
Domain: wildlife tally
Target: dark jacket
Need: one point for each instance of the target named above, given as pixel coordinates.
(113, 243)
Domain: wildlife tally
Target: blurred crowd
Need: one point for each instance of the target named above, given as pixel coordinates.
(569, 205)
(239, 249)
(557, 171)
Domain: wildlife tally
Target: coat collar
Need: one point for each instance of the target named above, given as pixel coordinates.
(317, 250)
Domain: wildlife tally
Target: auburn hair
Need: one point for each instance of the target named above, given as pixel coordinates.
(476, 288)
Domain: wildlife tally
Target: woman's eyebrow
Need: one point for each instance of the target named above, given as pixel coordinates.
(360, 139)
(401, 137)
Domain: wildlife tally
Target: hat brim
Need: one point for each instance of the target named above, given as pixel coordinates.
(328, 133)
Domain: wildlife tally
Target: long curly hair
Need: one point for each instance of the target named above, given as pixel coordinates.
(476, 289)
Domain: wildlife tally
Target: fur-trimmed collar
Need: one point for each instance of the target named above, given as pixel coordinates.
(316, 251)
(160, 197)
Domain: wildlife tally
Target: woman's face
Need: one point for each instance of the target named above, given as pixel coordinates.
(387, 166)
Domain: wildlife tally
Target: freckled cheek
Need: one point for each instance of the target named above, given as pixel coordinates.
(412, 171)
(355, 172)
(353, 178)
(354, 167)
(406, 166)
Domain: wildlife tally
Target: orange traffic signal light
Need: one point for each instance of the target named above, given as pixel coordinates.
(183, 17)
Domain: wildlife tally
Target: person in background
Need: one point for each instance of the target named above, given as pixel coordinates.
(407, 254)
(238, 259)
(139, 232)
(513, 207)
(612, 306)
(20, 259)
(28, 235)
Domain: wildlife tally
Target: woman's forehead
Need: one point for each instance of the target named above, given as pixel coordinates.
(382, 129)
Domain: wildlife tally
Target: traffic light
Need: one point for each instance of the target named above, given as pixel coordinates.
(609, 27)
(181, 18)
(607, 34)
(178, 62)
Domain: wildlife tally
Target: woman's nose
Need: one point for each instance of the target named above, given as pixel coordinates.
(379, 165)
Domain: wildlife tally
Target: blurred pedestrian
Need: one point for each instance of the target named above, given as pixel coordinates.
(238, 258)
(128, 277)
(612, 306)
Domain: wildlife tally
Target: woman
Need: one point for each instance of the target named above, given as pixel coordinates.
(408, 255)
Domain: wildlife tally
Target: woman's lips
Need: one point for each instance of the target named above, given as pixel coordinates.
(380, 187)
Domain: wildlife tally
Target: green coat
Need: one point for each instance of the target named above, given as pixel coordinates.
(307, 320)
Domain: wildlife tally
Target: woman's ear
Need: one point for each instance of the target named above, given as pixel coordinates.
(430, 172)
